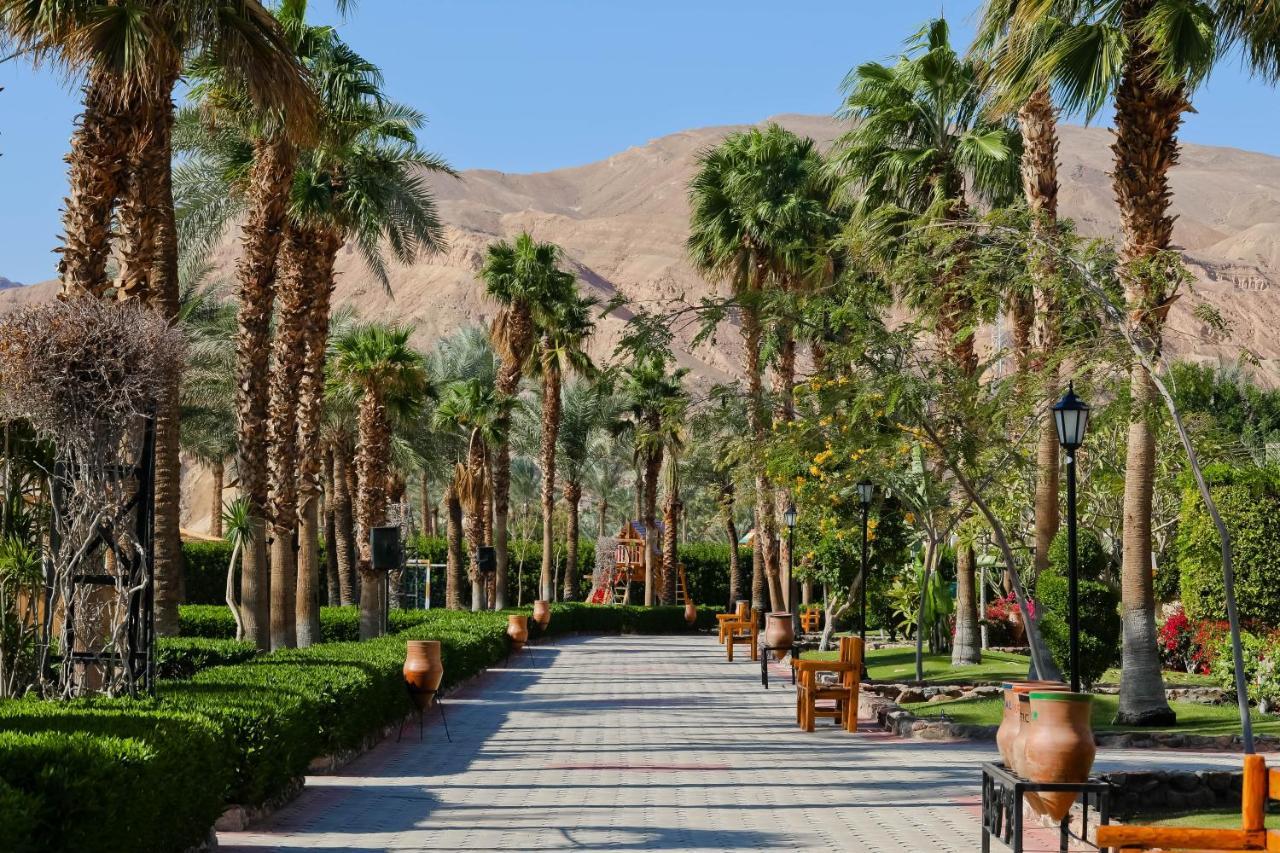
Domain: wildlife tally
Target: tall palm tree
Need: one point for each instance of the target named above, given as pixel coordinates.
(921, 142)
(673, 436)
(563, 329)
(589, 409)
(518, 276)
(1148, 57)
(757, 202)
(481, 415)
(388, 378)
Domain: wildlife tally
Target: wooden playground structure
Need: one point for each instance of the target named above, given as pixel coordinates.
(629, 566)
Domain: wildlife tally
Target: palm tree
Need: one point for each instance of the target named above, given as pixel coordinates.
(1148, 57)
(564, 326)
(921, 142)
(605, 474)
(589, 409)
(388, 378)
(674, 409)
(516, 276)
(481, 415)
(759, 201)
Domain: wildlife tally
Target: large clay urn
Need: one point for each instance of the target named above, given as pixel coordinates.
(1009, 722)
(690, 613)
(518, 631)
(1059, 747)
(778, 634)
(423, 671)
(542, 613)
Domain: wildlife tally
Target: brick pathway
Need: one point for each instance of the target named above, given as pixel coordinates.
(641, 743)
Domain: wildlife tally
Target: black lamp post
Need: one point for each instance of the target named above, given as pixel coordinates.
(1071, 414)
(789, 517)
(865, 492)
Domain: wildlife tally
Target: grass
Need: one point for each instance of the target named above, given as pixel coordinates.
(898, 664)
(1193, 718)
(1171, 679)
(1218, 819)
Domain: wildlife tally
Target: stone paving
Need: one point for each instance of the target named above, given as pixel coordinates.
(643, 743)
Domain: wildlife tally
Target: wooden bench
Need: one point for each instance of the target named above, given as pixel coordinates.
(809, 690)
(740, 615)
(1259, 786)
(740, 632)
(810, 618)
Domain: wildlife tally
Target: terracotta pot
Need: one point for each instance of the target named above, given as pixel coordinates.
(1059, 747)
(518, 631)
(1017, 631)
(779, 634)
(690, 613)
(423, 671)
(542, 613)
(1009, 722)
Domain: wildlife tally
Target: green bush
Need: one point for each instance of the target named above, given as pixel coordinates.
(1261, 655)
(182, 657)
(1099, 607)
(205, 568)
(1092, 558)
(1249, 501)
(213, 621)
(107, 776)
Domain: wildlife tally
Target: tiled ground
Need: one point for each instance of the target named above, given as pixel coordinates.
(641, 743)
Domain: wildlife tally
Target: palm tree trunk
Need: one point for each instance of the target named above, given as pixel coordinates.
(372, 455)
(218, 472)
(1038, 124)
(784, 379)
(550, 431)
(731, 531)
(572, 499)
(322, 249)
(97, 168)
(453, 537)
(766, 523)
(269, 182)
(424, 501)
(1145, 148)
(967, 649)
(343, 526)
(331, 532)
(602, 522)
(671, 526)
(652, 547)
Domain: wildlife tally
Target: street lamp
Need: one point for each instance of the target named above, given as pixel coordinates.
(1071, 415)
(865, 492)
(789, 517)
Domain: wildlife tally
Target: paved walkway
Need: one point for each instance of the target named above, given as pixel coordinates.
(642, 743)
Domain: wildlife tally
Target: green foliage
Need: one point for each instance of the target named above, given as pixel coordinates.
(1249, 501)
(182, 657)
(205, 564)
(206, 620)
(1261, 655)
(87, 776)
(1092, 557)
(1099, 606)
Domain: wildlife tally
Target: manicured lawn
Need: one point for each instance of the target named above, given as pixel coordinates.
(1193, 718)
(1171, 679)
(898, 664)
(1227, 819)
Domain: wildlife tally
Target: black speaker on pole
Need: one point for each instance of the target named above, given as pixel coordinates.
(385, 544)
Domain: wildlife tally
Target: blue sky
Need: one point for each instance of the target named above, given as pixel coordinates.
(530, 85)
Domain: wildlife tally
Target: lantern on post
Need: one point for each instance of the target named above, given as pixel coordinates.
(1071, 416)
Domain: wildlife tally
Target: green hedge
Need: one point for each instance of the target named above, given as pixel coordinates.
(1099, 609)
(183, 657)
(108, 776)
(1249, 501)
(205, 571)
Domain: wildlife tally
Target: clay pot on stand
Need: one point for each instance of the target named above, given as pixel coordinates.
(778, 634)
(1010, 722)
(690, 613)
(518, 631)
(1060, 747)
(1017, 630)
(542, 613)
(423, 670)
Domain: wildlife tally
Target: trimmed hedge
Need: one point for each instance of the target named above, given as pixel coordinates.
(183, 657)
(108, 775)
(205, 571)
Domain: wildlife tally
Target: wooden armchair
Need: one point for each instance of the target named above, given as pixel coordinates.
(739, 615)
(844, 691)
(743, 632)
(1259, 786)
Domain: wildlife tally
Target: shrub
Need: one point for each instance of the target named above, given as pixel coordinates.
(1099, 614)
(1092, 557)
(1249, 501)
(1261, 653)
(182, 657)
(213, 621)
(205, 567)
(1174, 637)
(106, 776)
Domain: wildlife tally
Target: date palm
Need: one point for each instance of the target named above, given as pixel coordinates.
(1147, 57)
(590, 409)
(517, 276)
(921, 143)
(387, 377)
